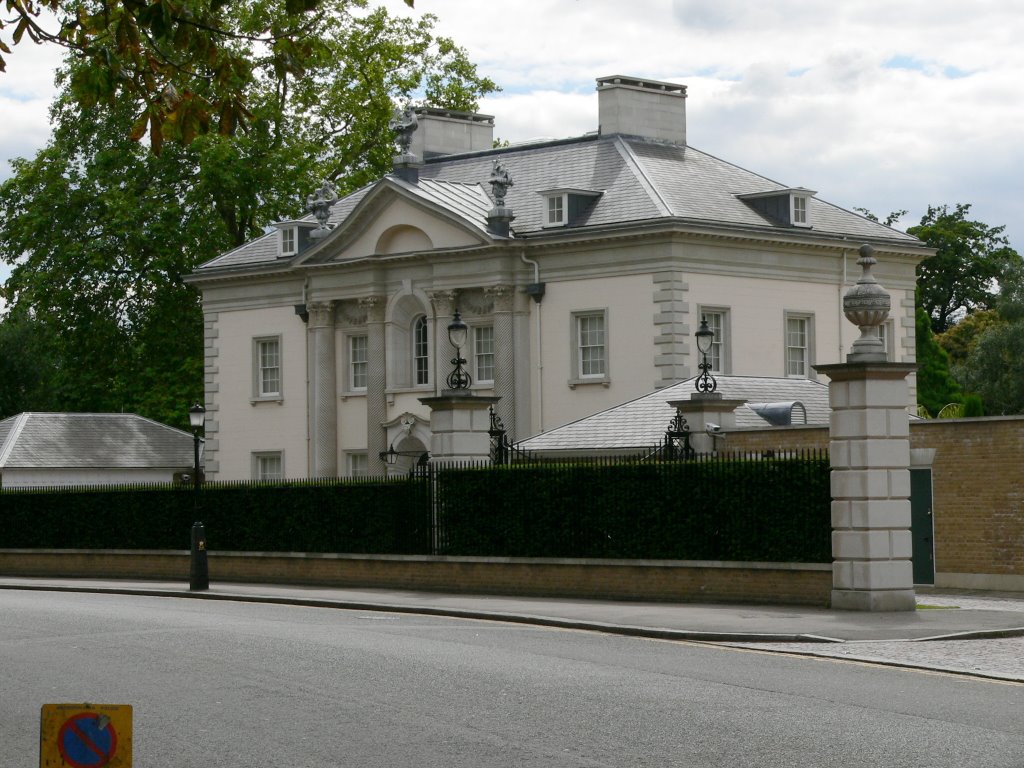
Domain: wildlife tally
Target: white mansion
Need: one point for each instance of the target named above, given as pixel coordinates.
(582, 266)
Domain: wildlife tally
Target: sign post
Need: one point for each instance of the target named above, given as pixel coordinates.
(85, 736)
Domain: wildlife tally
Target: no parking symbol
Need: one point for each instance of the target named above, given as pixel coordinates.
(85, 736)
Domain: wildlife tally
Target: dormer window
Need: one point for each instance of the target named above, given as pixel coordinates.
(293, 236)
(556, 211)
(289, 242)
(565, 207)
(791, 207)
(800, 211)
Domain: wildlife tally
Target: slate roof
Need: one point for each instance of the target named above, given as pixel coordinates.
(91, 441)
(641, 423)
(638, 180)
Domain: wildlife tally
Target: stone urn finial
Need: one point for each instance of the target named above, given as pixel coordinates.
(500, 182)
(403, 125)
(867, 305)
(319, 204)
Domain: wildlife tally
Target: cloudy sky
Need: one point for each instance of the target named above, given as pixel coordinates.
(883, 105)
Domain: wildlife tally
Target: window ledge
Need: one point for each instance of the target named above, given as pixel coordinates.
(408, 390)
(604, 381)
(260, 400)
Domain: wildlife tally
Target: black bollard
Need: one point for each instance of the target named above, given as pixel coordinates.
(199, 573)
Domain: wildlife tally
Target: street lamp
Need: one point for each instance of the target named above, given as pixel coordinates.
(458, 334)
(196, 417)
(390, 456)
(705, 336)
(199, 570)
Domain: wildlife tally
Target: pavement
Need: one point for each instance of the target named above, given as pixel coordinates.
(980, 634)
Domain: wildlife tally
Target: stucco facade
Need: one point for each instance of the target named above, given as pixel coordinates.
(619, 244)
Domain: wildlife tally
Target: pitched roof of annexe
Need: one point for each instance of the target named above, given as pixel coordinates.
(91, 441)
(641, 423)
(638, 181)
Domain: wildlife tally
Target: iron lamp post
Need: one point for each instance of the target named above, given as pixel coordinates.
(705, 336)
(196, 417)
(458, 334)
(199, 573)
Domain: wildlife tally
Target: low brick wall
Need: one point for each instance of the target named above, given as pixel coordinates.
(978, 500)
(977, 493)
(656, 580)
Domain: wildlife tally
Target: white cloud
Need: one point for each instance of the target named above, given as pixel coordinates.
(26, 90)
(876, 104)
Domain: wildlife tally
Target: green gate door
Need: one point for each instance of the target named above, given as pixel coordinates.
(922, 528)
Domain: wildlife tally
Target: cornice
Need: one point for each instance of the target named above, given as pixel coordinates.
(672, 231)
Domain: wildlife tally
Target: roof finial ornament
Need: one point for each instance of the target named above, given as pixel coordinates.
(500, 182)
(867, 305)
(319, 204)
(403, 124)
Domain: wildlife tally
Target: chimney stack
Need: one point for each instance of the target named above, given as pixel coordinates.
(647, 109)
(447, 132)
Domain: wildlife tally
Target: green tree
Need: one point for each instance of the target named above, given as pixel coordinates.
(936, 388)
(889, 220)
(26, 366)
(995, 368)
(189, 65)
(972, 263)
(100, 232)
(960, 339)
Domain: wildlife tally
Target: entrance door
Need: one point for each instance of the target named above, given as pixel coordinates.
(922, 527)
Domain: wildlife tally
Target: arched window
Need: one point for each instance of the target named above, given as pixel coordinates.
(420, 351)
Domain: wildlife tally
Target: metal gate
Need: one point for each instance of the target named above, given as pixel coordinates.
(922, 526)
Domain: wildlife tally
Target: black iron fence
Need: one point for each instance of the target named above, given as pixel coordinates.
(739, 507)
(744, 507)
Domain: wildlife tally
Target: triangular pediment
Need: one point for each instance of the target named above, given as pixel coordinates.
(397, 217)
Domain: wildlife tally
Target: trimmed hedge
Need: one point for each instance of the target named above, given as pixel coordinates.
(734, 509)
(381, 517)
(725, 508)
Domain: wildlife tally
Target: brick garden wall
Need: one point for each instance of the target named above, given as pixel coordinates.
(657, 580)
(978, 500)
(977, 492)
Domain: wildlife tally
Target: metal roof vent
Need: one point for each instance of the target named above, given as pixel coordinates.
(780, 414)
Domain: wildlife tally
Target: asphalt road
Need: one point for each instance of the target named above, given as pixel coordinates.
(237, 684)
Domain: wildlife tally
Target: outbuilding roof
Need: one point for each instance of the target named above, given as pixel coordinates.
(91, 441)
(641, 423)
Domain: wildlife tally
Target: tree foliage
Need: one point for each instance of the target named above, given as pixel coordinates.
(961, 339)
(972, 263)
(101, 232)
(936, 388)
(190, 65)
(26, 366)
(995, 368)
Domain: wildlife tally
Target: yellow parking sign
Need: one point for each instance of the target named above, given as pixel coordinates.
(85, 736)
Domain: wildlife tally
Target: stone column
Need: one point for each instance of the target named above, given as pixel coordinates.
(869, 445)
(459, 424)
(376, 378)
(443, 303)
(323, 393)
(504, 357)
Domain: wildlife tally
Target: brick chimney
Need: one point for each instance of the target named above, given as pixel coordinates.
(649, 109)
(446, 132)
